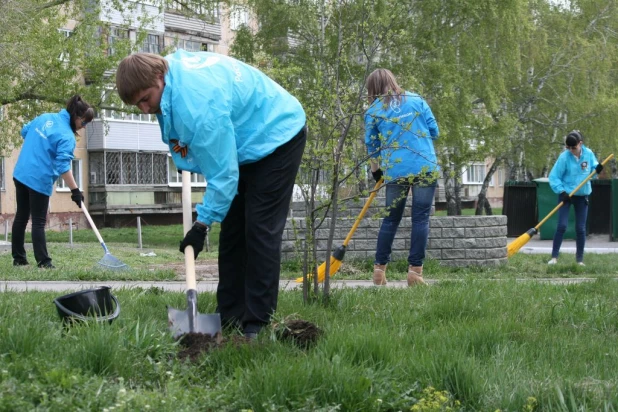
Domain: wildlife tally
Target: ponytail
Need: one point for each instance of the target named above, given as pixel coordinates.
(78, 108)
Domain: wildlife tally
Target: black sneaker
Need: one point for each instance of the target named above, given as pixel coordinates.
(47, 266)
(20, 263)
(251, 335)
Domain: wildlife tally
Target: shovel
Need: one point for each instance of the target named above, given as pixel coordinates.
(190, 321)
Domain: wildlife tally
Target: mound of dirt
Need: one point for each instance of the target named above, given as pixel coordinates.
(194, 344)
(301, 332)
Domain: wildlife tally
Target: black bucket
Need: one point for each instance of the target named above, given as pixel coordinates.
(91, 304)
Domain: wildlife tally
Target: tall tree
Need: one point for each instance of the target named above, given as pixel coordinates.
(567, 82)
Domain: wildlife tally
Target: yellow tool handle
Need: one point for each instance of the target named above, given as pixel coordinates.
(590, 176)
(363, 211)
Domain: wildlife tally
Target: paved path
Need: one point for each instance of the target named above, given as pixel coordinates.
(211, 286)
(594, 244)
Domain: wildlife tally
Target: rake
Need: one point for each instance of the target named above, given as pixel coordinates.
(108, 261)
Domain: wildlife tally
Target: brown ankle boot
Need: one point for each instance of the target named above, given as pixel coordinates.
(415, 276)
(379, 275)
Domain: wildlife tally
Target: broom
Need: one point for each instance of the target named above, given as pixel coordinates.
(337, 256)
(517, 244)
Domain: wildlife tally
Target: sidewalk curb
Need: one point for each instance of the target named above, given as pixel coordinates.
(567, 250)
(211, 286)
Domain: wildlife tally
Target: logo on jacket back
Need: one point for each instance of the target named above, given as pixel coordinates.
(395, 105)
(196, 62)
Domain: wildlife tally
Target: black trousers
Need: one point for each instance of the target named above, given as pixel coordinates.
(250, 238)
(30, 202)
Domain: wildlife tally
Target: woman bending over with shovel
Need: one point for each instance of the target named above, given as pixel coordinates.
(231, 123)
(399, 133)
(47, 153)
(572, 167)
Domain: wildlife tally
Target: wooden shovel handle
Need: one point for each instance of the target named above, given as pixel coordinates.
(187, 222)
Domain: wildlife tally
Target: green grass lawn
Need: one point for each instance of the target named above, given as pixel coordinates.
(485, 346)
(167, 236)
(79, 262)
(462, 345)
(520, 266)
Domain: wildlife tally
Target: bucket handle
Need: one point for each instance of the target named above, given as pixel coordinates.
(84, 318)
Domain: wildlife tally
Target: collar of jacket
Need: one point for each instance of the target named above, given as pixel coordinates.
(165, 118)
(64, 114)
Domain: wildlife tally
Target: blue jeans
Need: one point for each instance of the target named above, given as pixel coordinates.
(422, 199)
(580, 203)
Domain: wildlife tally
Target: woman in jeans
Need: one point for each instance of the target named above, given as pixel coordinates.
(571, 168)
(399, 133)
(46, 154)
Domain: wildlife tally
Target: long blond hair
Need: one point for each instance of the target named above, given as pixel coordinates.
(381, 83)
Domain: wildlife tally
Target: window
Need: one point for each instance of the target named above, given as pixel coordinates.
(116, 35)
(239, 17)
(475, 174)
(2, 174)
(110, 114)
(211, 10)
(76, 168)
(152, 44)
(175, 177)
(190, 45)
(128, 168)
(65, 33)
(500, 173)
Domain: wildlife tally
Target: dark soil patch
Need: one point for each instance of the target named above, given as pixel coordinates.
(301, 332)
(194, 344)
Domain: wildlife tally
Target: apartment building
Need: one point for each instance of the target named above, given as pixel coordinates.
(120, 162)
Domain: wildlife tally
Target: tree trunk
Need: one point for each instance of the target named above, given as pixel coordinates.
(452, 192)
(451, 205)
(482, 202)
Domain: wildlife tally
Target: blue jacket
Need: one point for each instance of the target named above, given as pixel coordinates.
(226, 113)
(568, 172)
(47, 151)
(402, 135)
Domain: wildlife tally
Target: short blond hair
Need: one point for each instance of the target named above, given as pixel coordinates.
(138, 72)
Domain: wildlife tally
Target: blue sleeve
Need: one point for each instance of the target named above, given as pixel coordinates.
(64, 154)
(25, 129)
(555, 176)
(431, 122)
(594, 161)
(372, 135)
(209, 135)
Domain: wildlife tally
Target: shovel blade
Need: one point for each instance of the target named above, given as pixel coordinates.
(179, 322)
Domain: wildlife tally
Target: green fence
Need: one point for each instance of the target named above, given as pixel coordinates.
(547, 200)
